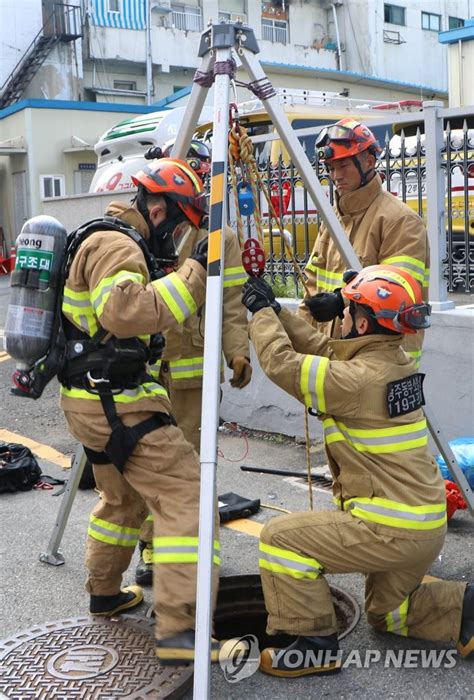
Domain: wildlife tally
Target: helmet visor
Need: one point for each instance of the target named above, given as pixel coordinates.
(416, 317)
(336, 132)
(198, 149)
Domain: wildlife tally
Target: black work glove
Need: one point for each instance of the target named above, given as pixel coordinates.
(200, 252)
(257, 294)
(325, 306)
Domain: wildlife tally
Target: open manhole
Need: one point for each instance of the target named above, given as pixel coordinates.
(87, 658)
(240, 611)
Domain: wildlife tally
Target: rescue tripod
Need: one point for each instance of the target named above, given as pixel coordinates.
(218, 67)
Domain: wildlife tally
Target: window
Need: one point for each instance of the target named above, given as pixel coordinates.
(52, 186)
(455, 22)
(113, 5)
(129, 85)
(186, 17)
(275, 30)
(430, 21)
(394, 14)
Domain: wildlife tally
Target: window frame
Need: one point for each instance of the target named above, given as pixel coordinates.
(430, 16)
(275, 27)
(460, 22)
(115, 2)
(390, 7)
(61, 179)
(128, 82)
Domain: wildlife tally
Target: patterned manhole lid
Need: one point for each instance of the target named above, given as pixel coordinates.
(87, 658)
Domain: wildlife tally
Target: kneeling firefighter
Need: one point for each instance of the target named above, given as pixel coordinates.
(390, 523)
(181, 367)
(115, 305)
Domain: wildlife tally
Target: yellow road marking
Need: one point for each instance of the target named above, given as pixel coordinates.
(248, 527)
(4, 356)
(43, 451)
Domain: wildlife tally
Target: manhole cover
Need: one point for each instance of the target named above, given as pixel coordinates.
(88, 658)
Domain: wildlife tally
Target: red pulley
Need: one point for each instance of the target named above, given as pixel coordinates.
(253, 257)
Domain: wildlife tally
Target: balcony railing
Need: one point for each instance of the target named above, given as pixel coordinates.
(189, 21)
(277, 32)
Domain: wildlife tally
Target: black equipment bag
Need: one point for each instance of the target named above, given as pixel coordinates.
(19, 470)
(232, 507)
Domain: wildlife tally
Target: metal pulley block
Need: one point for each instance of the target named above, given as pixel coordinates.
(245, 198)
(253, 257)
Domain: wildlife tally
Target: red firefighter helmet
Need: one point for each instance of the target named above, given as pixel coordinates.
(392, 295)
(346, 138)
(198, 155)
(178, 181)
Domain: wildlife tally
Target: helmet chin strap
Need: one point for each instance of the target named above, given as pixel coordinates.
(353, 333)
(364, 177)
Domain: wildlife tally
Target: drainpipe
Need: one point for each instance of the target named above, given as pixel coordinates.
(338, 40)
(149, 59)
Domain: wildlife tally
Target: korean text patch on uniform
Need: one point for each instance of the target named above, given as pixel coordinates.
(405, 395)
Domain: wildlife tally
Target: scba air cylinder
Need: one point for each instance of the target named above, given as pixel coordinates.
(35, 284)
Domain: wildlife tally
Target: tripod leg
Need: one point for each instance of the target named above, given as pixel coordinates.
(52, 554)
(450, 459)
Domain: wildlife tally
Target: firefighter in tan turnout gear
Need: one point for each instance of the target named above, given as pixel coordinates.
(142, 462)
(390, 521)
(182, 365)
(380, 227)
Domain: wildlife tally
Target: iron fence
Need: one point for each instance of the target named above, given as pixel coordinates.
(403, 168)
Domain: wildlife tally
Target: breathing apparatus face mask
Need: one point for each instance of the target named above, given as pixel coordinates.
(161, 243)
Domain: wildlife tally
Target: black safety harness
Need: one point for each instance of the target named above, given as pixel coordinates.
(105, 365)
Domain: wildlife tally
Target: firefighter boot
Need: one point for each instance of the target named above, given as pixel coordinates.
(466, 638)
(305, 656)
(179, 649)
(144, 570)
(108, 605)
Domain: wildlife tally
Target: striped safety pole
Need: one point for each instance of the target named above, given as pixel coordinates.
(222, 36)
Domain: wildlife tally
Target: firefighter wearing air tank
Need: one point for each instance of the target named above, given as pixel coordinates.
(182, 365)
(380, 227)
(390, 520)
(109, 291)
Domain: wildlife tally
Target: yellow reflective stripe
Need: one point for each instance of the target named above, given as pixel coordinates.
(426, 280)
(395, 514)
(312, 268)
(145, 391)
(414, 266)
(176, 296)
(377, 440)
(312, 373)
(234, 276)
(284, 561)
(415, 355)
(110, 533)
(396, 621)
(101, 293)
(77, 306)
(180, 550)
(149, 518)
(328, 280)
(187, 368)
(155, 369)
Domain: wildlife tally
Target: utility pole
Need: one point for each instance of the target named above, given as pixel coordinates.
(149, 57)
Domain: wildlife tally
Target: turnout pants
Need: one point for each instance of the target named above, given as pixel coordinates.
(186, 407)
(297, 549)
(162, 478)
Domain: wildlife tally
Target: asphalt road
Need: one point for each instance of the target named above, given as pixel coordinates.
(33, 593)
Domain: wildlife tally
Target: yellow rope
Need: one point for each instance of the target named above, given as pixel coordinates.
(244, 143)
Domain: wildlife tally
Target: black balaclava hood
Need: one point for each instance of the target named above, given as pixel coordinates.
(161, 237)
